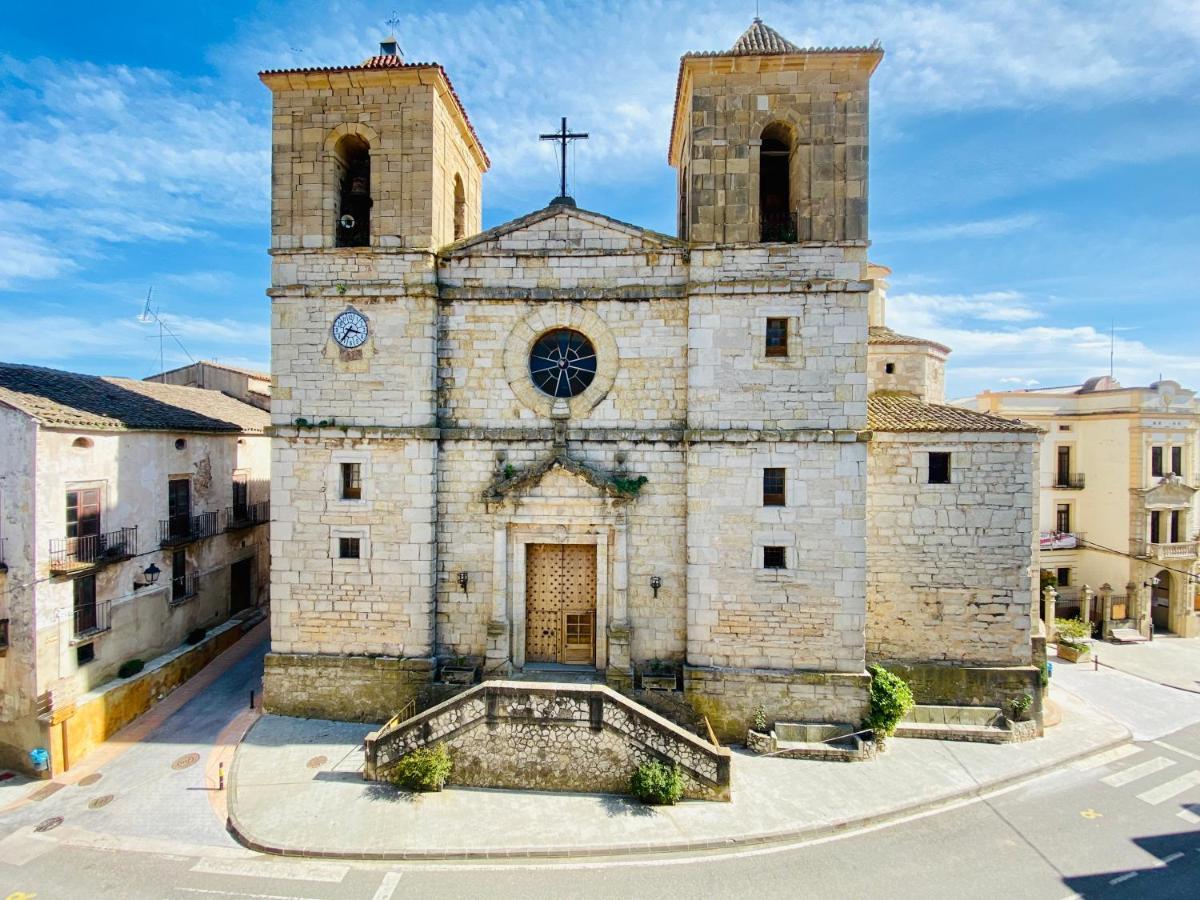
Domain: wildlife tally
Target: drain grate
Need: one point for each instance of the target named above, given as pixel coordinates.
(48, 824)
(317, 761)
(46, 790)
(89, 780)
(100, 802)
(185, 761)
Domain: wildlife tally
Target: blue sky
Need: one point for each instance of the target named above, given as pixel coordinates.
(1035, 167)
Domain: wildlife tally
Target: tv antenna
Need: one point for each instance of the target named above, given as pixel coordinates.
(150, 316)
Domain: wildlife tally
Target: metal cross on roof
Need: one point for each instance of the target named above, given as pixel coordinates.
(564, 137)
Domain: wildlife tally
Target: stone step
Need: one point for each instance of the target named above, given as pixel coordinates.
(1127, 636)
(929, 714)
(559, 674)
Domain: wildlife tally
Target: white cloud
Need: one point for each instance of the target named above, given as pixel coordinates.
(948, 231)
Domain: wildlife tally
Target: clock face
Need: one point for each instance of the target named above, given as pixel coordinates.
(350, 329)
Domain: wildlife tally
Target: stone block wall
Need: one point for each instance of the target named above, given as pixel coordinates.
(345, 688)
(809, 615)
(949, 566)
(917, 369)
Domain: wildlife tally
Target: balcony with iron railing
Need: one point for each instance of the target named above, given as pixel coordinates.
(1073, 481)
(1172, 550)
(1061, 540)
(75, 554)
(778, 228)
(247, 515)
(178, 530)
(91, 619)
(183, 588)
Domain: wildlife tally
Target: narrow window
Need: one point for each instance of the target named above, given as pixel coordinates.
(460, 209)
(889, 368)
(1062, 518)
(179, 507)
(1063, 576)
(683, 204)
(1176, 526)
(1156, 461)
(83, 513)
(773, 488)
(3, 634)
(179, 585)
(777, 219)
(939, 468)
(241, 496)
(348, 548)
(87, 620)
(1064, 466)
(1176, 460)
(777, 337)
(351, 481)
(1155, 528)
(774, 558)
(84, 654)
(353, 158)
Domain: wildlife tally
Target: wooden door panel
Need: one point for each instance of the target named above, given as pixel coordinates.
(542, 577)
(560, 603)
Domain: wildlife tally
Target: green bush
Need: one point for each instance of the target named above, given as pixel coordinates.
(195, 636)
(891, 698)
(130, 667)
(657, 783)
(1073, 630)
(1044, 673)
(424, 769)
(1020, 706)
(760, 719)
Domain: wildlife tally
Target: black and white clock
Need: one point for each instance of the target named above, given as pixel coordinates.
(350, 329)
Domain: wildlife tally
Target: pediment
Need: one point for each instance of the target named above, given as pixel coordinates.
(559, 477)
(561, 228)
(1170, 493)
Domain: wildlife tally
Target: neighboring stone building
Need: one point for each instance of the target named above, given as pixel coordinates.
(241, 384)
(569, 441)
(1119, 476)
(102, 478)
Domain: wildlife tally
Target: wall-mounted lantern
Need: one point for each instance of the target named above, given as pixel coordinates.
(655, 584)
(1152, 583)
(462, 581)
(150, 574)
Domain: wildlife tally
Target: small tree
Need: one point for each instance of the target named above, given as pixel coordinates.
(657, 783)
(891, 698)
(424, 769)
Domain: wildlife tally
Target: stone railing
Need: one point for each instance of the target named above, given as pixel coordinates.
(1175, 550)
(576, 737)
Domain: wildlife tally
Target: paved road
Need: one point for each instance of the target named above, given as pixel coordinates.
(1124, 825)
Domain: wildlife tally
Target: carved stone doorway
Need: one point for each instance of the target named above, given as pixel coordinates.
(560, 603)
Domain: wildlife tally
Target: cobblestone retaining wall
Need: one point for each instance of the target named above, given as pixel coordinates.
(344, 688)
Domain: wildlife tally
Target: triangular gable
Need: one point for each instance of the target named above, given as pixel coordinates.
(560, 227)
(1170, 493)
(558, 475)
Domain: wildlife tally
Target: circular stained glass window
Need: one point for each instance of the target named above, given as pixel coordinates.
(562, 363)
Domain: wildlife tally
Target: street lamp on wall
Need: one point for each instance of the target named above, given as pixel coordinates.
(462, 581)
(655, 584)
(150, 574)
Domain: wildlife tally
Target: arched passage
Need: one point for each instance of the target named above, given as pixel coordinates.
(1160, 601)
(352, 158)
(776, 216)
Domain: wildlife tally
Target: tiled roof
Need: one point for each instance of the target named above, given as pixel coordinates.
(760, 38)
(890, 411)
(391, 62)
(69, 399)
(881, 334)
(255, 374)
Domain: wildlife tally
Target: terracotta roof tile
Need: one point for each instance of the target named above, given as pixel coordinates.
(760, 38)
(890, 411)
(881, 334)
(69, 399)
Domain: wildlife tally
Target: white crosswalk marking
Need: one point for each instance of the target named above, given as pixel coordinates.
(1157, 795)
(388, 888)
(1188, 816)
(290, 870)
(1118, 779)
(1108, 756)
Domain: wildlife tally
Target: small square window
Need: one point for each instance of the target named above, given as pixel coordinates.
(1064, 427)
(351, 481)
(889, 368)
(348, 548)
(774, 488)
(939, 468)
(774, 558)
(777, 337)
(1063, 576)
(84, 654)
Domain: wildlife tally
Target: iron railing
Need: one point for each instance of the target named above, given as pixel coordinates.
(3, 558)
(72, 554)
(247, 515)
(185, 529)
(1171, 550)
(1074, 482)
(183, 587)
(778, 227)
(92, 618)
(1062, 540)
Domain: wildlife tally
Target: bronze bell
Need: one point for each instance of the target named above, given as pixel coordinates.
(358, 186)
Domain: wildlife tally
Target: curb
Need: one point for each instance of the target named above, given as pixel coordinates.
(238, 832)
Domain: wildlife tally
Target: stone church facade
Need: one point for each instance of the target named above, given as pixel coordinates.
(571, 447)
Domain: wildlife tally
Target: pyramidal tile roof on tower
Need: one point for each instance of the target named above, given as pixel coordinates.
(760, 38)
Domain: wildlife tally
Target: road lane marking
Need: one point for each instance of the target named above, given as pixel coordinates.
(236, 894)
(1100, 759)
(1157, 795)
(1174, 749)
(290, 870)
(1170, 859)
(1119, 779)
(1121, 878)
(388, 887)
(1188, 816)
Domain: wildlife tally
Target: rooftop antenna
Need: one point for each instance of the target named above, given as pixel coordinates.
(1112, 342)
(150, 314)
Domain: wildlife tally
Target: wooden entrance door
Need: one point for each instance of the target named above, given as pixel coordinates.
(241, 586)
(560, 603)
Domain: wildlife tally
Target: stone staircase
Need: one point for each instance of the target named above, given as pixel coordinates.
(1126, 634)
(554, 673)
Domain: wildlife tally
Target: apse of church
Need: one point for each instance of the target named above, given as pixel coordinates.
(572, 445)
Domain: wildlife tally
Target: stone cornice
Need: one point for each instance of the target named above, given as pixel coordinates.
(540, 433)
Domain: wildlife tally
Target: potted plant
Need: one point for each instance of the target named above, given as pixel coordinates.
(460, 670)
(758, 737)
(1074, 636)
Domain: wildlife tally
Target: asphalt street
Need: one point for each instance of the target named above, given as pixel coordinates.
(1124, 824)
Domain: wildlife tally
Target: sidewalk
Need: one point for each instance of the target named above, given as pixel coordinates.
(1169, 660)
(296, 788)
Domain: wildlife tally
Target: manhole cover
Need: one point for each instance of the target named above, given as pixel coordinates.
(100, 802)
(89, 780)
(48, 824)
(317, 761)
(188, 759)
(46, 790)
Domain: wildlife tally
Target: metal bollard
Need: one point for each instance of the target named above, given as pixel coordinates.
(252, 698)
(220, 776)
(1095, 662)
